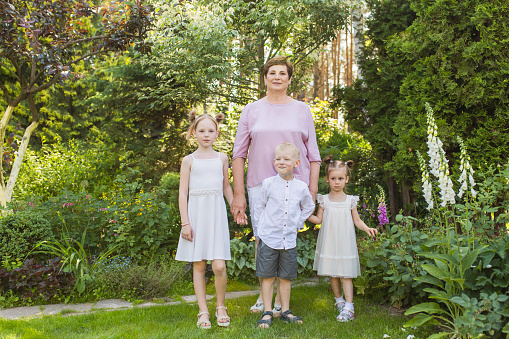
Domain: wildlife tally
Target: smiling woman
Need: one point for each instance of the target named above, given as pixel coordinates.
(264, 124)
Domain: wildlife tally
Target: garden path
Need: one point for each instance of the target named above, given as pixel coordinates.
(113, 304)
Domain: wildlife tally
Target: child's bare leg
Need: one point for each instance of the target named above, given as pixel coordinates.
(277, 300)
(199, 286)
(267, 291)
(335, 284)
(348, 289)
(220, 277)
(260, 297)
(285, 288)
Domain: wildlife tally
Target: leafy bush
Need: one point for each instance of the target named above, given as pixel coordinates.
(142, 227)
(169, 184)
(74, 167)
(242, 266)
(32, 281)
(122, 278)
(20, 232)
(75, 259)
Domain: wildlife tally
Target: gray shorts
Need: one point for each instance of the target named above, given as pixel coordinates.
(271, 263)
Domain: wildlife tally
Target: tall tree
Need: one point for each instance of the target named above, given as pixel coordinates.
(267, 28)
(371, 103)
(40, 42)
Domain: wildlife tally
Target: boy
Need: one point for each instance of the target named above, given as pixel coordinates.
(284, 204)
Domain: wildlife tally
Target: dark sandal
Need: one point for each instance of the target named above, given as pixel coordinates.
(285, 317)
(262, 321)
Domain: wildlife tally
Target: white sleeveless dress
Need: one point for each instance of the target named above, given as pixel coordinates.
(207, 214)
(336, 252)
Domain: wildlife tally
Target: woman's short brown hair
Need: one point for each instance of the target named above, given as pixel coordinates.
(279, 60)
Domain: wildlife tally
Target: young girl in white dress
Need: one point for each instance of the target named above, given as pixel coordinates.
(336, 253)
(205, 235)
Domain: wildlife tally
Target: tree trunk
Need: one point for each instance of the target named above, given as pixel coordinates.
(393, 196)
(358, 32)
(17, 163)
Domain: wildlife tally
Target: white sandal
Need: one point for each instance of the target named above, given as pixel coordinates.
(346, 315)
(222, 317)
(258, 307)
(205, 324)
(276, 310)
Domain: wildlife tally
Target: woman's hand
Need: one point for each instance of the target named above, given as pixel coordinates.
(187, 232)
(238, 209)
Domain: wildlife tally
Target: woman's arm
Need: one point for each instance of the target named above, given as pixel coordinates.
(238, 205)
(317, 219)
(314, 174)
(361, 225)
(185, 170)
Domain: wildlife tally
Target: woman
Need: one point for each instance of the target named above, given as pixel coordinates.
(264, 124)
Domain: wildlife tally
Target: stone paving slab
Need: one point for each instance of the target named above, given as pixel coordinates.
(112, 304)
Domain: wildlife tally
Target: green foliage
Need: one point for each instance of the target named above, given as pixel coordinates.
(20, 232)
(431, 51)
(122, 278)
(142, 226)
(70, 167)
(75, 259)
(169, 184)
(242, 265)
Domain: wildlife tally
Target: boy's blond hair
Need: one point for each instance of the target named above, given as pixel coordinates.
(286, 146)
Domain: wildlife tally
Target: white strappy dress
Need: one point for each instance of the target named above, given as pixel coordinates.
(207, 214)
(336, 247)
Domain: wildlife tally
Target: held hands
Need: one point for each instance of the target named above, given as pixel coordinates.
(238, 209)
(187, 232)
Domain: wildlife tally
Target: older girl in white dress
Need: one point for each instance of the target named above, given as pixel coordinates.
(205, 235)
(336, 253)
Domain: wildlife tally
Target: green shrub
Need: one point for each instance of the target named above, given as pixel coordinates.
(75, 167)
(122, 278)
(242, 266)
(169, 184)
(20, 232)
(142, 226)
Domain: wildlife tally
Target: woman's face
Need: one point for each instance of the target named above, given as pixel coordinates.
(277, 79)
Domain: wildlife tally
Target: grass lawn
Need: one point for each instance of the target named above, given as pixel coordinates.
(313, 303)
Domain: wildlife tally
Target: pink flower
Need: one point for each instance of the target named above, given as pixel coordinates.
(382, 217)
(29, 204)
(87, 196)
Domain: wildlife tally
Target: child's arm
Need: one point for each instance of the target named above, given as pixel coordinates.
(185, 171)
(227, 188)
(361, 225)
(316, 219)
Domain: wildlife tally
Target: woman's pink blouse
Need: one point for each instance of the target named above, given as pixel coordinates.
(262, 126)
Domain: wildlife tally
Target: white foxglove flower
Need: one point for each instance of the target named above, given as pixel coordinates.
(426, 184)
(465, 169)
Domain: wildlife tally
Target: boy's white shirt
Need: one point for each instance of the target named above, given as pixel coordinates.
(281, 210)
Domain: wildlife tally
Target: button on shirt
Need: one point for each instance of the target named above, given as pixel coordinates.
(281, 210)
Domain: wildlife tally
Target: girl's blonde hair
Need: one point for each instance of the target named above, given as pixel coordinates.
(195, 120)
(331, 165)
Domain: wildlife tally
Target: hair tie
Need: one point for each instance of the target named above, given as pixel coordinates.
(346, 162)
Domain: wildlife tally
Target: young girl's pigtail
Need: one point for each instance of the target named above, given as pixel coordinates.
(195, 119)
(220, 117)
(349, 163)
